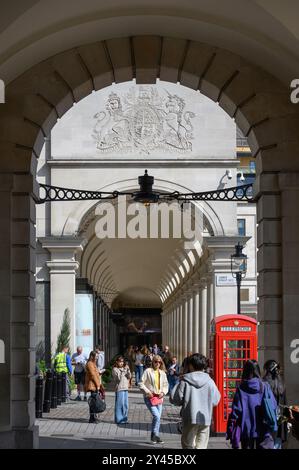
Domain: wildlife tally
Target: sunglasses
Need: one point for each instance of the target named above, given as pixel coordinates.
(158, 362)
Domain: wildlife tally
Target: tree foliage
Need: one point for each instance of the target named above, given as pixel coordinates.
(65, 332)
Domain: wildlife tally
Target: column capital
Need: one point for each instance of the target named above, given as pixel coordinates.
(62, 244)
(220, 250)
(62, 267)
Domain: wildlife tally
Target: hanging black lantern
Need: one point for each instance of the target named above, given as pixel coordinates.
(146, 195)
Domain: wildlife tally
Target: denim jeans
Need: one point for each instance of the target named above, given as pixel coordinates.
(172, 381)
(156, 412)
(121, 407)
(138, 374)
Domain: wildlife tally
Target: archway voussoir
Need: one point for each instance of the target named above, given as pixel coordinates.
(72, 73)
(222, 71)
(147, 66)
(262, 106)
(17, 130)
(17, 159)
(96, 61)
(282, 157)
(37, 110)
(120, 54)
(172, 58)
(268, 132)
(198, 59)
(54, 91)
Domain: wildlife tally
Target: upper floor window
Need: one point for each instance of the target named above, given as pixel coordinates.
(242, 227)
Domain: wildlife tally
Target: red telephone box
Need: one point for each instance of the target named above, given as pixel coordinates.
(233, 341)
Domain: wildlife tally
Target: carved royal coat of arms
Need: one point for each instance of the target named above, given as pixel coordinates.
(143, 121)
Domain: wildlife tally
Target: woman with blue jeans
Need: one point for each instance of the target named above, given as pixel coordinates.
(121, 375)
(154, 385)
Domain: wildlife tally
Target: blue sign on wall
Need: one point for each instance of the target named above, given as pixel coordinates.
(84, 322)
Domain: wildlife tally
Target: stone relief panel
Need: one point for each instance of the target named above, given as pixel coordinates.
(143, 120)
(127, 121)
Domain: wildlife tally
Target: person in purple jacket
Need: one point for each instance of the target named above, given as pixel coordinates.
(246, 421)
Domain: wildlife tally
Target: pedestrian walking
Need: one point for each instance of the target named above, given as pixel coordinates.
(173, 373)
(79, 360)
(166, 356)
(247, 420)
(92, 381)
(121, 375)
(100, 358)
(273, 378)
(197, 393)
(147, 357)
(154, 385)
(185, 363)
(139, 358)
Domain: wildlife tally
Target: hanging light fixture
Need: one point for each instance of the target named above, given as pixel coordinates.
(146, 195)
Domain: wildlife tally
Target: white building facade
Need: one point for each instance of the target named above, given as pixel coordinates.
(188, 143)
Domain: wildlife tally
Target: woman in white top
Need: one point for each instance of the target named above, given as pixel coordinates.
(154, 385)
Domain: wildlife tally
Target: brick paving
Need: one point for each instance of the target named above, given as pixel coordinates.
(67, 427)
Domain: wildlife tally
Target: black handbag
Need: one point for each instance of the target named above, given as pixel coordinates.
(96, 403)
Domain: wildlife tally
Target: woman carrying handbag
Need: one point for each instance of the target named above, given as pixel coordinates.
(92, 385)
(154, 385)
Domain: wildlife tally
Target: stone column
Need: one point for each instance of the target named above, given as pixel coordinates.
(203, 320)
(196, 315)
(180, 332)
(169, 324)
(185, 326)
(176, 328)
(271, 235)
(210, 310)
(190, 324)
(17, 318)
(62, 268)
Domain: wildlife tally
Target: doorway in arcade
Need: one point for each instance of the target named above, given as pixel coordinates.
(139, 327)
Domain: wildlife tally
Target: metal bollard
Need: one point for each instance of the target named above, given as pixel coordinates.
(39, 386)
(63, 387)
(59, 388)
(54, 391)
(48, 392)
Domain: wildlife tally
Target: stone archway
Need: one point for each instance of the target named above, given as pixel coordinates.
(34, 101)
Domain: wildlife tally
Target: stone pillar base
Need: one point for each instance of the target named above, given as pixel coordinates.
(20, 439)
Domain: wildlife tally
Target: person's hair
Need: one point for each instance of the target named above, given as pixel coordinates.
(198, 362)
(272, 369)
(156, 357)
(98, 346)
(92, 355)
(117, 359)
(251, 370)
(145, 351)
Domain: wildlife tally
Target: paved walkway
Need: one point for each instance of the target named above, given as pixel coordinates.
(67, 427)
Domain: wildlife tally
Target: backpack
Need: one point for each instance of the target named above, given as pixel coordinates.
(270, 418)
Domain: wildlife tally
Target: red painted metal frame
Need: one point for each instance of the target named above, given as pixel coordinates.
(217, 339)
